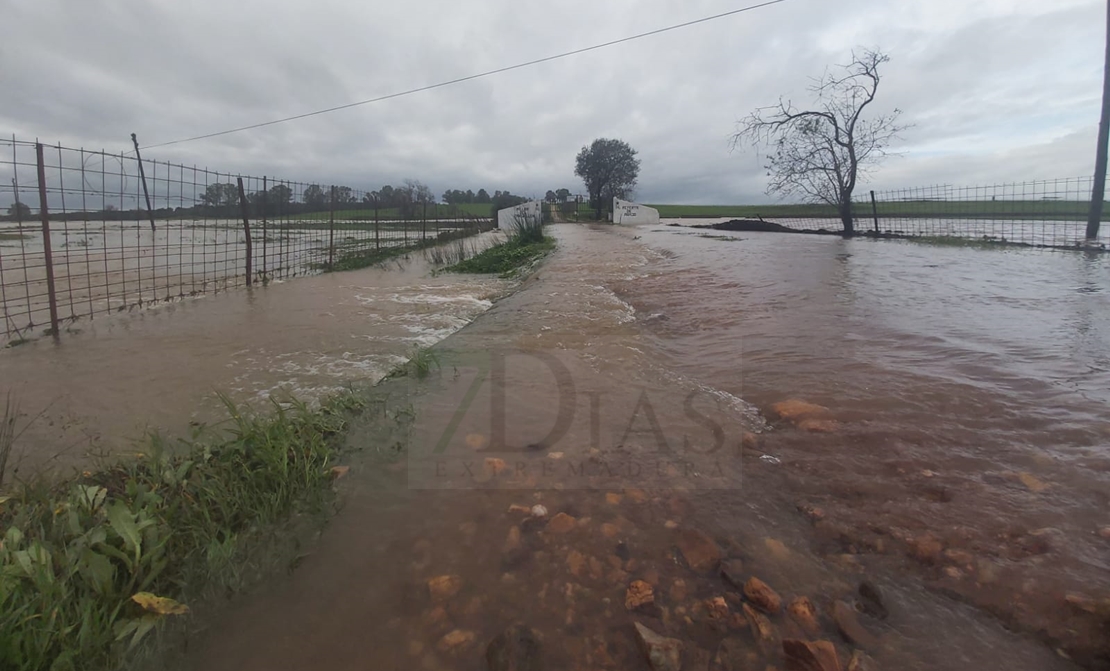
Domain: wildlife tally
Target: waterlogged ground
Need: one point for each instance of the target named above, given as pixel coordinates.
(957, 466)
(101, 390)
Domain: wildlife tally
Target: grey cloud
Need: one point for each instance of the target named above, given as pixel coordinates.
(997, 90)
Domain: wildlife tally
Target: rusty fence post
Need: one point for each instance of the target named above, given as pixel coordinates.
(331, 230)
(246, 230)
(875, 211)
(52, 294)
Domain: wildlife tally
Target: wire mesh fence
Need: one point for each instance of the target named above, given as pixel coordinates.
(85, 233)
(1047, 213)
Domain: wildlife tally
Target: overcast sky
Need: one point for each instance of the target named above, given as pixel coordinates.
(997, 90)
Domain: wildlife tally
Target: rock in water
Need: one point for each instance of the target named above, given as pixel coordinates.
(762, 630)
(700, 551)
(561, 524)
(850, 628)
(871, 600)
(810, 655)
(639, 594)
(762, 596)
(442, 588)
(664, 654)
(455, 640)
(795, 410)
(732, 572)
(804, 613)
(515, 649)
(861, 662)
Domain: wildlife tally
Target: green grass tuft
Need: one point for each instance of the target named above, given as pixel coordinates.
(73, 554)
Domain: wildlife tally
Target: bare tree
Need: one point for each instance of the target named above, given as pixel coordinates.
(820, 154)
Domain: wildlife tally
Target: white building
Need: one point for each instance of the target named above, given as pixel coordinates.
(625, 212)
(509, 218)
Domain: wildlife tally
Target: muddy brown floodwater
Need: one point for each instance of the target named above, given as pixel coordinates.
(102, 390)
(958, 467)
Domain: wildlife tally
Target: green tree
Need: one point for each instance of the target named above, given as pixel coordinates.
(344, 195)
(222, 194)
(609, 169)
(315, 196)
(549, 196)
(562, 194)
(388, 198)
(482, 197)
(280, 195)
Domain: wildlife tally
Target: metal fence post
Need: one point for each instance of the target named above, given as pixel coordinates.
(377, 227)
(142, 177)
(424, 222)
(265, 204)
(875, 211)
(246, 231)
(331, 230)
(44, 210)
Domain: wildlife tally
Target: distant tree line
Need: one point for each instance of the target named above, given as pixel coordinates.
(221, 200)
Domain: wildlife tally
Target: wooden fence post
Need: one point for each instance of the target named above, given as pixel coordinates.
(246, 231)
(52, 294)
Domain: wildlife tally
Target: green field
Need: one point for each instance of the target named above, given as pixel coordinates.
(1048, 210)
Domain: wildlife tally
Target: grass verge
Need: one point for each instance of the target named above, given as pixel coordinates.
(89, 567)
(526, 243)
(364, 258)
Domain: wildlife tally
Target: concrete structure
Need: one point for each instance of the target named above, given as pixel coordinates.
(625, 212)
(507, 219)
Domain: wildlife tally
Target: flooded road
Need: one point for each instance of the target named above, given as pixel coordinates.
(957, 466)
(99, 391)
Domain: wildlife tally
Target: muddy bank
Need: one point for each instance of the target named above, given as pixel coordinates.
(566, 474)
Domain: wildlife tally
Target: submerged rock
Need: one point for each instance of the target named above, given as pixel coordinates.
(734, 654)
(638, 595)
(810, 655)
(861, 662)
(456, 640)
(871, 600)
(441, 588)
(762, 630)
(795, 410)
(762, 596)
(561, 524)
(664, 654)
(517, 648)
(732, 572)
(576, 563)
(699, 550)
(850, 628)
(804, 614)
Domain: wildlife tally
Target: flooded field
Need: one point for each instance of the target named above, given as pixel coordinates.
(1035, 232)
(107, 267)
(98, 390)
(942, 506)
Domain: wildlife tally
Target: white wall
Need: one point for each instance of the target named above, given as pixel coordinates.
(507, 218)
(625, 212)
